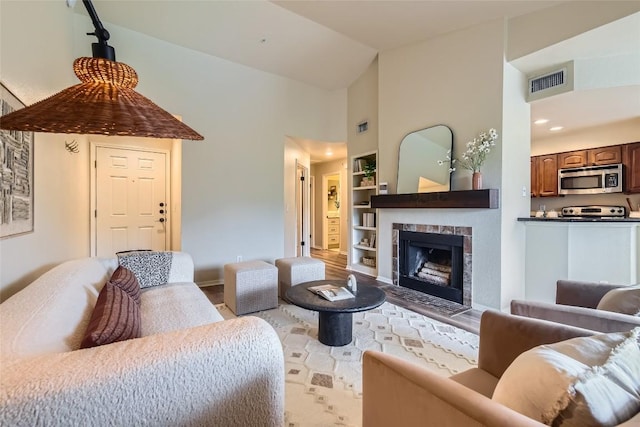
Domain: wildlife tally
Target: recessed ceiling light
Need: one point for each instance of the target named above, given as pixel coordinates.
(329, 153)
(556, 128)
(540, 121)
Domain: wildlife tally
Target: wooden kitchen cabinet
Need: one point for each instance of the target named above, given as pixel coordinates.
(631, 162)
(534, 177)
(548, 175)
(605, 155)
(592, 157)
(544, 175)
(572, 159)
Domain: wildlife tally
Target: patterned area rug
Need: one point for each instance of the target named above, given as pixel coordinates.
(324, 384)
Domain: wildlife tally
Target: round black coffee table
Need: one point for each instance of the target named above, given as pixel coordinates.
(335, 318)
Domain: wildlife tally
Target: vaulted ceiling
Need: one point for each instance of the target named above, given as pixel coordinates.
(329, 44)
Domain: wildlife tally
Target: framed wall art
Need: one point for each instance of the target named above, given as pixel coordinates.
(16, 173)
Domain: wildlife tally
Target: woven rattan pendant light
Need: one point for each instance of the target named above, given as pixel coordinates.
(104, 103)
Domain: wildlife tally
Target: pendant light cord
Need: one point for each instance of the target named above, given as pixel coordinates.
(102, 48)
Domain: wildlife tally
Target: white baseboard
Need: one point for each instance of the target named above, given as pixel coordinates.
(481, 307)
(384, 280)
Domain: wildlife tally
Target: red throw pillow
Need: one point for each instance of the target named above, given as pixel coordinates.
(126, 280)
(116, 317)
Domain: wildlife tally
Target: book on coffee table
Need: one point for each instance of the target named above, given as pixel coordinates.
(332, 292)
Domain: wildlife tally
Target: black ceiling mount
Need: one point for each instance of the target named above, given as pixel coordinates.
(102, 48)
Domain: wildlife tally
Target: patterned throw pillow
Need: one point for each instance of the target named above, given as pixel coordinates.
(151, 268)
(126, 280)
(116, 317)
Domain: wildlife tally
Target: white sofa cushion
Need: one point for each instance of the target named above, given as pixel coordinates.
(52, 313)
(175, 306)
(587, 381)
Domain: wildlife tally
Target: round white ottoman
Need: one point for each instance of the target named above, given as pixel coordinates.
(250, 286)
(296, 270)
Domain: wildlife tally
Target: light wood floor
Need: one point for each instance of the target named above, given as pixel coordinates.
(335, 268)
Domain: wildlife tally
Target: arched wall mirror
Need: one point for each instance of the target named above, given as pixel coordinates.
(418, 168)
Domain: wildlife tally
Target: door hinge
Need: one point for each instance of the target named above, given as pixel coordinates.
(95, 213)
(95, 164)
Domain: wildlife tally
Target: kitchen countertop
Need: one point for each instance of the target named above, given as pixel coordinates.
(578, 219)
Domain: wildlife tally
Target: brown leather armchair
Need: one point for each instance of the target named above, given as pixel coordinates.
(397, 392)
(575, 305)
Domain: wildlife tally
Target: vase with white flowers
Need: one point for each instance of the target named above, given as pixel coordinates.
(474, 156)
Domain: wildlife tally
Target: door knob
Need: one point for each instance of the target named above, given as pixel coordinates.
(161, 211)
(161, 219)
(161, 204)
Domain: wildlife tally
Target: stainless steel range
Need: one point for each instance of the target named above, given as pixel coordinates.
(597, 211)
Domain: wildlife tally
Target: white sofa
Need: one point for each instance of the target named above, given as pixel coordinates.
(190, 367)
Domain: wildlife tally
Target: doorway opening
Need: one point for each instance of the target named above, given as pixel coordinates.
(331, 202)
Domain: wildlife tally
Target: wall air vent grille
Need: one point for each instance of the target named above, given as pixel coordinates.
(552, 81)
(548, 81)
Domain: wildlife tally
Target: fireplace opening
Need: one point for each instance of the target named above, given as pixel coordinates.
(432, 263)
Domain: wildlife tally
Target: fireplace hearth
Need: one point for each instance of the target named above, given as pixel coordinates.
(434, 260)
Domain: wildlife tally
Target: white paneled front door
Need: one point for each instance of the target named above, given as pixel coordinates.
(131, 200)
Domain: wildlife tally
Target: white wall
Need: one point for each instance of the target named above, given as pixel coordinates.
(454, 80)
(232, 184)
(35, 61)
(461, 80)
(515, 190)
(363, 105)
(534, 31)
(233, 196)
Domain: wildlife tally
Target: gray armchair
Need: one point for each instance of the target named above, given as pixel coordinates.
(575, 305)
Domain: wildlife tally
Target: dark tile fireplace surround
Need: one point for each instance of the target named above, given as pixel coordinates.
(433, 259)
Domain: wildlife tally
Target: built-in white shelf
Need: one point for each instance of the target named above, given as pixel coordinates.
(366, 248)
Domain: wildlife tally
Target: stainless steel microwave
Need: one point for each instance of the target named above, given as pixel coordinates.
(590, 180)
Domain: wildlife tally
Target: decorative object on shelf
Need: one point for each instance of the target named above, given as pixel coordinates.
(368, 261)
(16, 166)
(476, 181)
(369, 170)
(474, 156)
(104, 103)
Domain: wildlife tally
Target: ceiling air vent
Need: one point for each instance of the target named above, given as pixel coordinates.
(550, 82)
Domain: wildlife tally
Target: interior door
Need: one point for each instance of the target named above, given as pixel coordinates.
(131, 200)
(302, 211)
